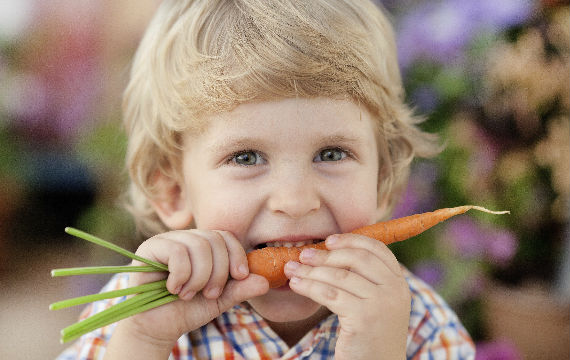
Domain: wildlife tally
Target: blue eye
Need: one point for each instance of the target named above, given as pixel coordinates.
(332, 154)
(247, 158)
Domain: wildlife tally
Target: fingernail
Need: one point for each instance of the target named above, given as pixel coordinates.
(331, 240)
(294, 280)
(292, 265)
(308, 253)
(243, 269)
(177, 290)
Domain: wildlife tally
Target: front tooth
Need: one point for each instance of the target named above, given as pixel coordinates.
(289, 244)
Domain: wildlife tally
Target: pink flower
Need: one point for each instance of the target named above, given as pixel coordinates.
(497, 350)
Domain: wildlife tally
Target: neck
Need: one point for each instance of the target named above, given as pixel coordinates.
(293, 331)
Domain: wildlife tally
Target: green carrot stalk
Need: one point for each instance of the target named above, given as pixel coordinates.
(88, 270)
(85, 236)
(145, 302)
(161, 284)
(112, 314)
(148, 296)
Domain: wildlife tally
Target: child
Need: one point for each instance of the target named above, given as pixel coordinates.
(258, 123)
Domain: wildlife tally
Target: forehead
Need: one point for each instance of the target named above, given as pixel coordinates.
(290, 119)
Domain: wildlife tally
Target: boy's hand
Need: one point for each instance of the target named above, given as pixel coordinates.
(199, 264)
(360, 280)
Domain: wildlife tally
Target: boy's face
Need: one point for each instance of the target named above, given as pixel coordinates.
(286, 170)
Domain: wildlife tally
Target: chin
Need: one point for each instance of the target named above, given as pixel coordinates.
(284, 305)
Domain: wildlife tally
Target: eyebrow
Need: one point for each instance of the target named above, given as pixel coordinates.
(229, 144)
(339, 138)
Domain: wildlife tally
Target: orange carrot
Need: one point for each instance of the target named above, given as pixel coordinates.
(269, 262)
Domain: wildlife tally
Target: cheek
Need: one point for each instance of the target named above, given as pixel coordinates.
(357, 204)
(219, 208)
(358, 213)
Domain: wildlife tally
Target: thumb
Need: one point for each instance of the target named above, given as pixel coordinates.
(237, 291)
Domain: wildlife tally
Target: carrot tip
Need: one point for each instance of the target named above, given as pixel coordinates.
(480, 208)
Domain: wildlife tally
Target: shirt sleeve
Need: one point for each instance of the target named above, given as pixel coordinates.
(435, 331)
(92, 346)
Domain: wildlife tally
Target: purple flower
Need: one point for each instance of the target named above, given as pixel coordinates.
(497, 350)
(493, 15)
(434, 31)
(430, 271)
(470, 240)
(466, 237)
(501, 246)
(440, 31)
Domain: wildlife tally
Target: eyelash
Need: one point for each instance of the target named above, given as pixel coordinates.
(231, 160)
(347, 153)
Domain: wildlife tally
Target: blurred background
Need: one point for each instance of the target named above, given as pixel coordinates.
(490, 76)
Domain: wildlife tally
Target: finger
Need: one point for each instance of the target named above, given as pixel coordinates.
(167, 250)
(220, 264)
(343, 279)
(201, 258)
(237, 291)
(356, 260)
(378, 248)
(239, 268)
(336, 300)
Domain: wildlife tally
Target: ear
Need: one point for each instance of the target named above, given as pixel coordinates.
(171, 203)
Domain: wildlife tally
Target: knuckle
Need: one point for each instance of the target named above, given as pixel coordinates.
(330, 293)
(341, 274)
(201, 244)
(216, 237)
(378, 247)
(364, 256)
(223, 234)
(197, 282)
(178, 248)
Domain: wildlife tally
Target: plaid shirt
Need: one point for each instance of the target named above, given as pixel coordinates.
(240, 333)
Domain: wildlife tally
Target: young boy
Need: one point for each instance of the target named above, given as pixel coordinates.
(258, 123)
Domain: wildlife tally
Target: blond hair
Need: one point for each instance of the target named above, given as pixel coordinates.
(200, 57)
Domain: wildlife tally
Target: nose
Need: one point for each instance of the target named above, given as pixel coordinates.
(294, 193)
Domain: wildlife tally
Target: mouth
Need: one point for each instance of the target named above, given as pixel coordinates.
(287, 244)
